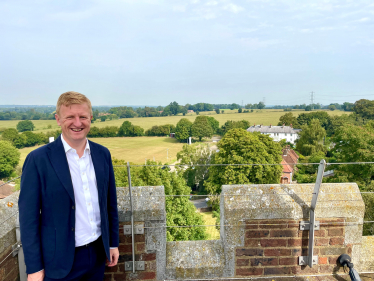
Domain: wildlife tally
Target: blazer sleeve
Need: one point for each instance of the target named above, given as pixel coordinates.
(112, 208)
(29, 205)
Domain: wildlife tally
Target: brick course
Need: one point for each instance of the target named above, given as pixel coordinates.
(125, 251)
(273, 247)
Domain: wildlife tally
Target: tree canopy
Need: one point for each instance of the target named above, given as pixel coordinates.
(25, 125)
(311, 138)
(241, 147)
(9, 158)
(288, 119)
(201, 128)
(183, 129)
(179, 210)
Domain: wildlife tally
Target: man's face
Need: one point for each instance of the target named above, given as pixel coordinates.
(75, 122)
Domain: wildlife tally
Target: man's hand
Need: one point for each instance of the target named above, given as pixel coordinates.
(114, 255)
(37, 276)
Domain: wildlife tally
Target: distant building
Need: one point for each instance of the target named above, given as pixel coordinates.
(190, 111)
(289, 161)
(277, 132)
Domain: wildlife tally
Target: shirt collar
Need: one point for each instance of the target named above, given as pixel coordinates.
(67, 147)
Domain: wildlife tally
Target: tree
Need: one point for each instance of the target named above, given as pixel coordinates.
(183, 129)
(125, 129)
(196, 154)
(234, 106)
(179, 210)
(347, 106)
(229, 125)
(240, 110)
(288, 119)
(136, 131)
(261, 105)
(9, 158)
(217, 111)
(174, 108)
(364, 108)
(308, 108)
(25, 125)
(322, 116)
(241, 147)
(31, 139)
(311, 138)
(332, 107)
(10, 134)
(214, 124)
(356, 144)
(103, 118)
(201, 128)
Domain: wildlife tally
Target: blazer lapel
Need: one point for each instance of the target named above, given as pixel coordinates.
(98, 161)
(57, 156)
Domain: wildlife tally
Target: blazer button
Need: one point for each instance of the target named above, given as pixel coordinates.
(72, 229)
(72, 207)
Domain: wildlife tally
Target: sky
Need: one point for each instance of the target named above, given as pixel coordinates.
(153, 52)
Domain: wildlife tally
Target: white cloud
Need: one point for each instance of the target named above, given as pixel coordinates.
(179, 8)
(233, 8)
(255, 43)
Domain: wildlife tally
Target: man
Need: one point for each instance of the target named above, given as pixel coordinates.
(68, 204)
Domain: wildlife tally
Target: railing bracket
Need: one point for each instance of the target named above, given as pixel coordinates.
(15, 249)
(304, 260)
(138, 229)
(305, 225)
(139, 266)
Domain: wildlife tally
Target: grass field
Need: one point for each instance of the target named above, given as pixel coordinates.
(212, 231)
(135, 149)
(264, 117)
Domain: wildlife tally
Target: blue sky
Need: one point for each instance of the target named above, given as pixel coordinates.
(136, 52)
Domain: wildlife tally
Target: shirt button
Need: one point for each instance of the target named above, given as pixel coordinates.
(83, 173)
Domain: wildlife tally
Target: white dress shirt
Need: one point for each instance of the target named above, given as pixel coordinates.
(87, 209)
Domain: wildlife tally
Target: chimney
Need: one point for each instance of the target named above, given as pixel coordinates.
(270, 126)
(291, 125)
(283, 125)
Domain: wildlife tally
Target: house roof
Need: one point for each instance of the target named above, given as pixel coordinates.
(291, 153)
(273, 129)
(286, 167)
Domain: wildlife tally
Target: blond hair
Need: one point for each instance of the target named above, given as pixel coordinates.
(70, 98)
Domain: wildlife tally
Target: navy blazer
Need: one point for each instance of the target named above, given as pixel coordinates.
(47, 208)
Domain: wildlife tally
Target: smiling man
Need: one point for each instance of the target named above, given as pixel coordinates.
(68, 203)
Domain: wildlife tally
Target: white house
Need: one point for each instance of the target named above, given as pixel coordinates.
(277, 132)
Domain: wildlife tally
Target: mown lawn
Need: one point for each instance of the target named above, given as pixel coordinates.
(134, 150)
(264, 117)
(212, 231)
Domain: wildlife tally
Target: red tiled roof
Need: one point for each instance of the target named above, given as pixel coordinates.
(286, 167)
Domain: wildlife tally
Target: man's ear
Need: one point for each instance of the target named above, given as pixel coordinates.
(58, 120)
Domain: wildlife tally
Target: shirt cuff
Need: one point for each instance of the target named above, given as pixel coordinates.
(113, 248)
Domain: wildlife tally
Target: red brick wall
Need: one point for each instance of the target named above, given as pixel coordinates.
(125, 254)
(9, 267)
(274, 249)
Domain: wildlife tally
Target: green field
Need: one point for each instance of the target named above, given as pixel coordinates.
(135, 149)
(264, 117)
(212, 231)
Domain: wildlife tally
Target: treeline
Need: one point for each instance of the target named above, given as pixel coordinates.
(38, 112)
(346, 106)
(27, 138)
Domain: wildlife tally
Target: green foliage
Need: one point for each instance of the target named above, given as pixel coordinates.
(201, 128)
(179, 210)
(288, 119)
(242, 124)
(9, 134)
(311, 138)
(125, 129)
(183, 129)
(308, 108)
(25, 125)
(105, 132)
(103, 118)
(214, 124)
(323, 117)
(9, 158)
(163, 130)
(196, 154)
(241, 147)
(217, 110)
(240, 110)
(137, 131)
(364, 108)
(332, 107)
